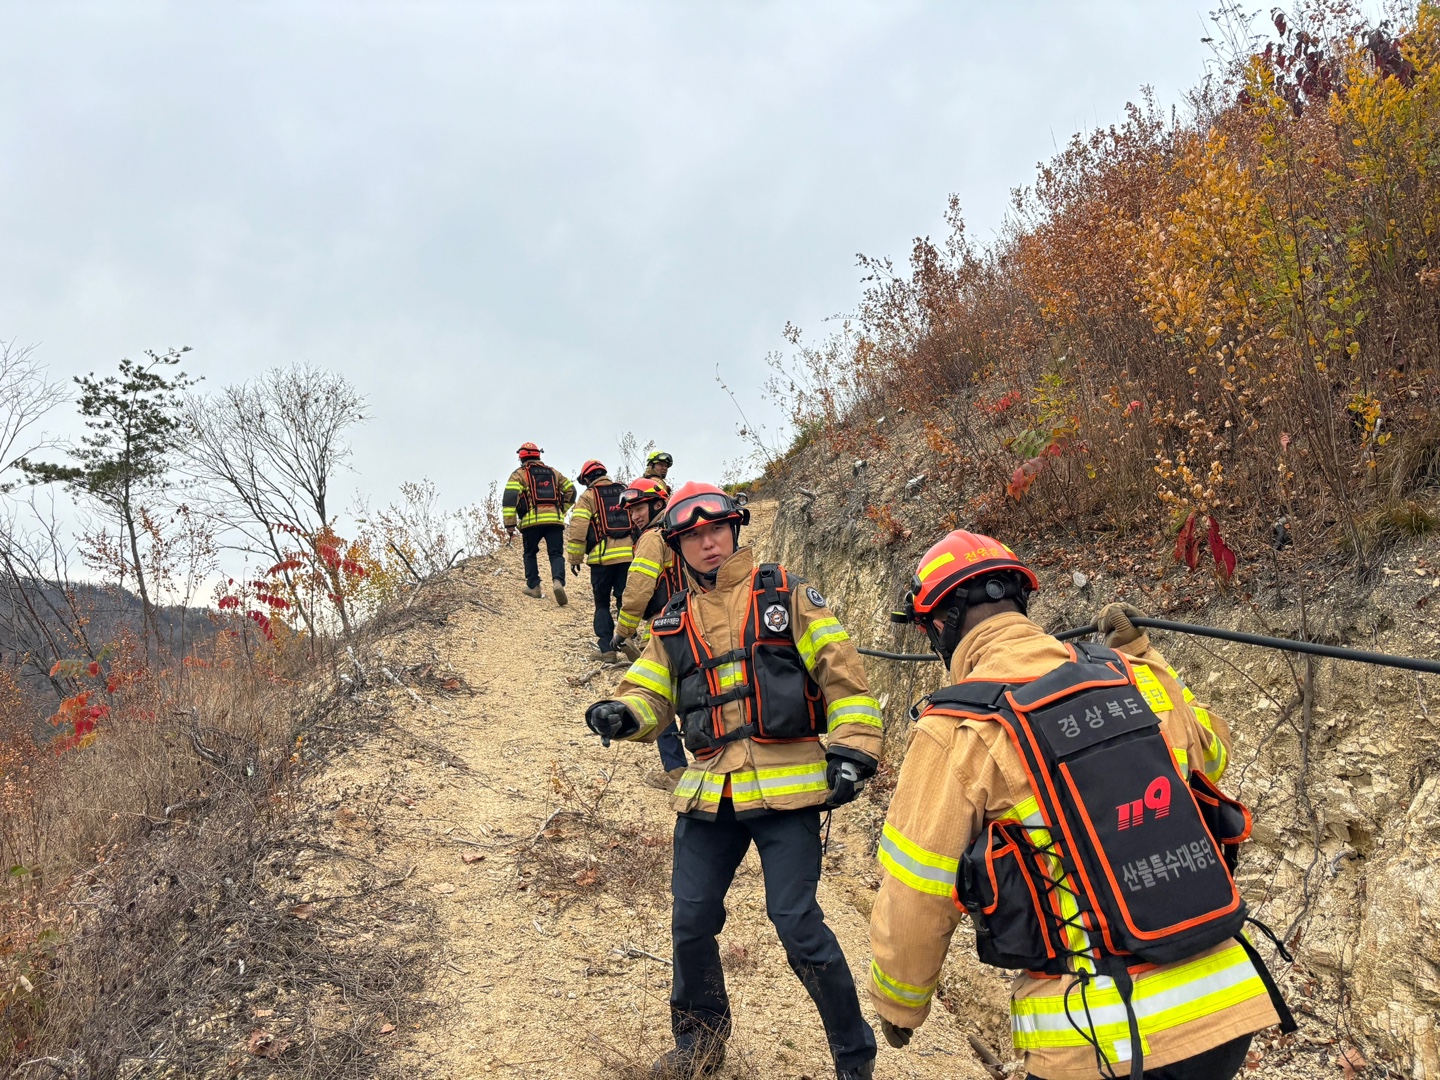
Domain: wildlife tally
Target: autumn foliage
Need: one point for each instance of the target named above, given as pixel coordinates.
(1222, 331)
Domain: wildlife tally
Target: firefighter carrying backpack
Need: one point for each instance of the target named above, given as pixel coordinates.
(779, 699)
(1129, 863)
(542, 489)
(612, 520)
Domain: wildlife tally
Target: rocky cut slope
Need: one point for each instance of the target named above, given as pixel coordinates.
(1340, 761)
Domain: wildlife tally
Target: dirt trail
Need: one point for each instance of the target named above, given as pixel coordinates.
(539, 968)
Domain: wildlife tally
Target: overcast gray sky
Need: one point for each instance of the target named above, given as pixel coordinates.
(511, 221)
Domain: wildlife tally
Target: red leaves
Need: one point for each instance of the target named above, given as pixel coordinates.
(1224, 557)
(1187, 547)
(1029, 472)
(284, 567)
(1187, 544)
(263, 622)
(228, 603)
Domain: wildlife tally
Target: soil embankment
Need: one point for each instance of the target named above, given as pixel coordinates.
(545, 860)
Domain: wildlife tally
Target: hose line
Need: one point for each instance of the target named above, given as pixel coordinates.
(1337, 652)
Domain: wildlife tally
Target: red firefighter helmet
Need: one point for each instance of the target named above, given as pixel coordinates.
(646, 489)
(938, 586)
(529, 452)
(695, 504)
(592, 470)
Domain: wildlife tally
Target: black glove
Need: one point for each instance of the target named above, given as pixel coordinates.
(897, 1037)
(575, 569)
(1113, 620)
(846, 771)
(610, 720)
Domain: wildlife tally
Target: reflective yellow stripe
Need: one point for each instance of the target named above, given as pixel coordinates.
(628, 622)
(922, 870)
(651, 676)
(646, 567)
(698, 781)
(749, 786)
(1028, 814)
(1182, 759)
(1152, 689)
(730, 674)
(1216, 757)
(644, 714)
(822, 632)
(791, 779)
(902, 993)
(1161, 1000)
(935, 564)
(861, 709)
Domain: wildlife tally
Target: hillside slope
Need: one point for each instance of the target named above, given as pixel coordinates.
(546, 861)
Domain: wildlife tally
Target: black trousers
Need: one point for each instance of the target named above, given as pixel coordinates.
(605, 581)
(706, 855)
(1224, 1062)
(554, 537)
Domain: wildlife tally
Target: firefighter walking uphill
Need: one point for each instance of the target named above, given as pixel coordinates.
(536, 498)
(772, 700)
(1065, 798)
(599, 533)
(657, 467)
(655, 576)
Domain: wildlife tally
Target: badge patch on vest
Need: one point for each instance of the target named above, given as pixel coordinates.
(813, 595)
(664, 623)
(776, 619)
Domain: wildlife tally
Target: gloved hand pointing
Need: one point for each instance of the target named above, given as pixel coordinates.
(610, 720)
(897, 1037)
(846, 771)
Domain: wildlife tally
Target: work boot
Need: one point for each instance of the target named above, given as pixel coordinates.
(666, 781)
(610, 657)
(859, 1072)
(690, 1062)
(558, 587)
(533, 590)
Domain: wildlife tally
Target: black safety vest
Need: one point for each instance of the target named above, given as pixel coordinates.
(611, 521)
(1145, 856)
(779, 699)
(542, 486)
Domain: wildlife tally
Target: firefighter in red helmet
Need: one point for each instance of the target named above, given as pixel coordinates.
(1125, 922)
(654, 577)
(536, 498)
(772, 699)
(599, 533)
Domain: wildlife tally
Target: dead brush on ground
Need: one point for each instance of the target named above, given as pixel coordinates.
(582, 848)
(154, 932)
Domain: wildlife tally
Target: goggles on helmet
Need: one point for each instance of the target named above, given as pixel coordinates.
(659, 458)
(689, 513)
(637, 493)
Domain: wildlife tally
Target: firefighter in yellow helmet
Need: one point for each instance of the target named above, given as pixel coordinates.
(1048, 794)
(536, 498)
(772, 698)
(654, 577)
(599, 533)
(657, 467)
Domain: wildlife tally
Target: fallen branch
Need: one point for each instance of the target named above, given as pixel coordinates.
(554, 814)
(632, 951)
(987, 1057)
(581, 680)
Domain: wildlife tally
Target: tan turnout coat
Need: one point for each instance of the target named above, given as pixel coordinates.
(769, 776)
(959, 775)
